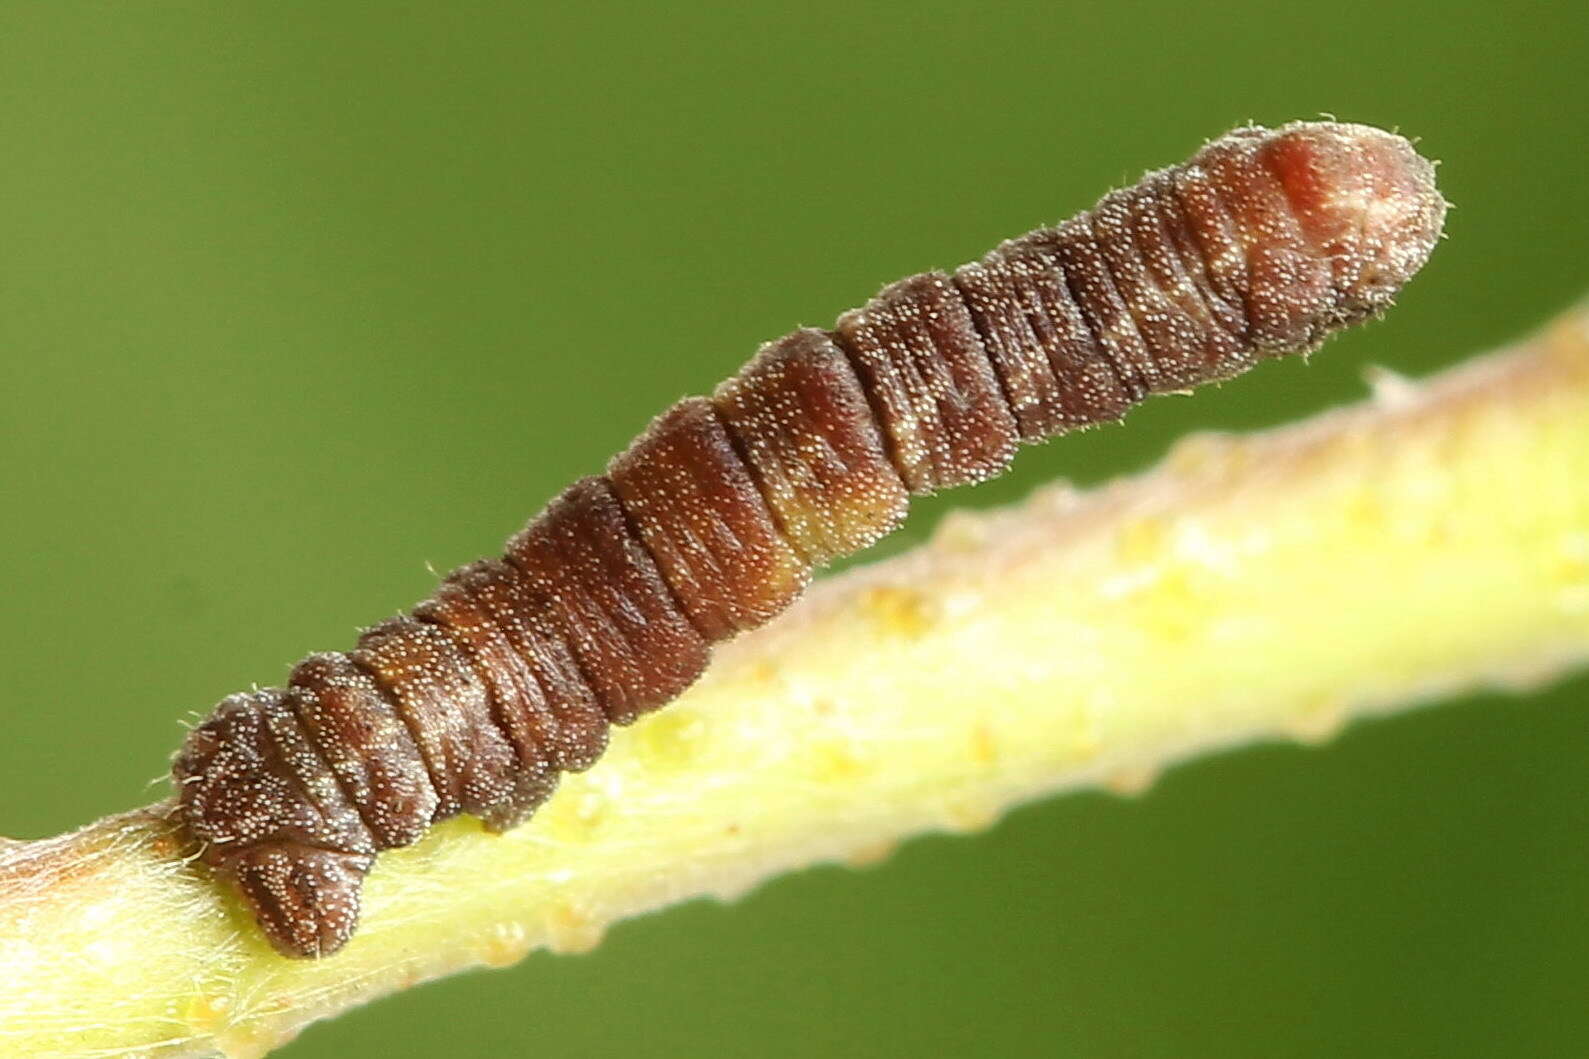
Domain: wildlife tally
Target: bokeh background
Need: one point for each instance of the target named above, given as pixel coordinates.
(297, 298)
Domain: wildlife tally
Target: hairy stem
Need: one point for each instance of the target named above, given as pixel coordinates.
(1429, 540)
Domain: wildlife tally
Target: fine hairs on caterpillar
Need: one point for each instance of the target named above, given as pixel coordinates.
(606, 605)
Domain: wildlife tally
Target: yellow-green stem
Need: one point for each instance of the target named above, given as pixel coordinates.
(1434, 538)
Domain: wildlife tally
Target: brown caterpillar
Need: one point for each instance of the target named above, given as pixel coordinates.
(605, 606)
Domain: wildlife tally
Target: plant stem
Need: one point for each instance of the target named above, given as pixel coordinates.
(1431, 539)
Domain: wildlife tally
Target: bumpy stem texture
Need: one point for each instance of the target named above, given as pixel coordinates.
(1433, 539)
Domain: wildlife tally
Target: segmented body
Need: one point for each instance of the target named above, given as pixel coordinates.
(606, 605)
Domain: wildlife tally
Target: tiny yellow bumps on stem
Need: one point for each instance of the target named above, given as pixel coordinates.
(570, 929)
(1433, 538)
(898, 610)
(670, 739)
(505, 944)
(578, 815)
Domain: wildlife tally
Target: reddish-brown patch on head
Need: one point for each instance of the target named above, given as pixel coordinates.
(1365, 199)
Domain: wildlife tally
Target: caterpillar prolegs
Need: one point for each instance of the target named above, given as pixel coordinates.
(606, 605)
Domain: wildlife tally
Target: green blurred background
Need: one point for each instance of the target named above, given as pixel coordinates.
(296, 298)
